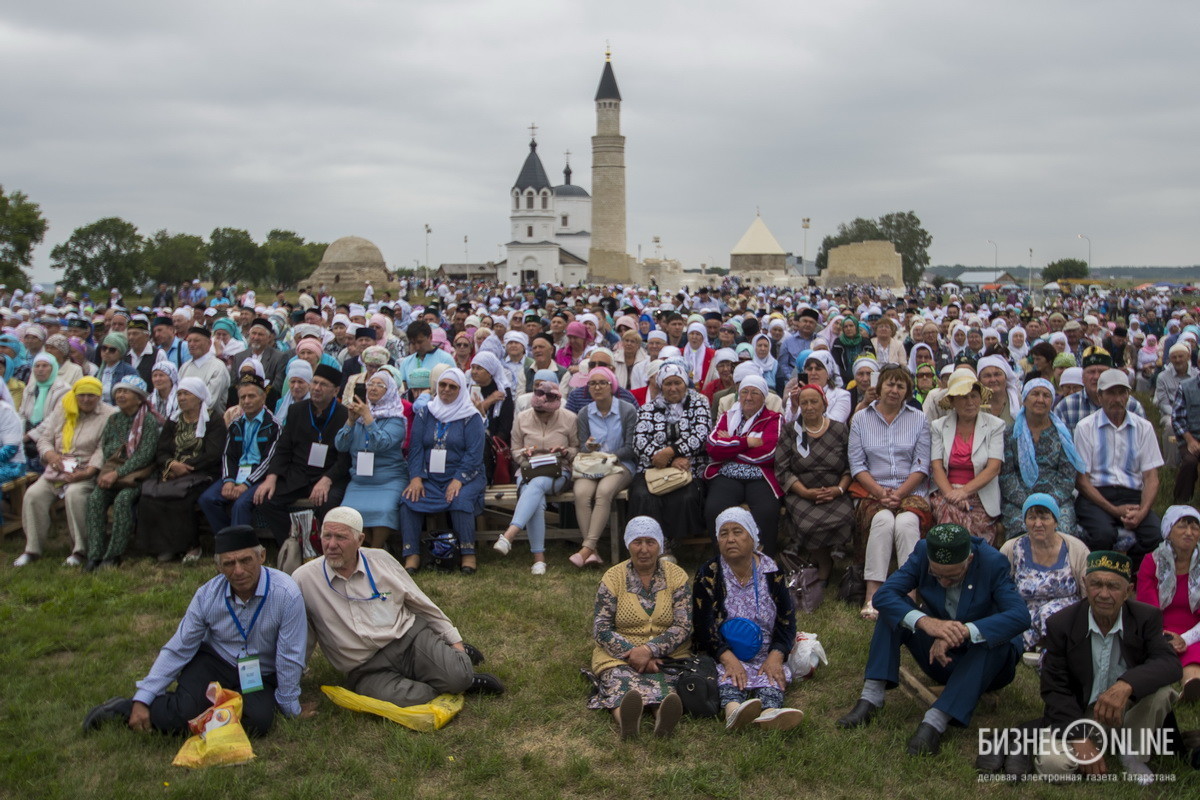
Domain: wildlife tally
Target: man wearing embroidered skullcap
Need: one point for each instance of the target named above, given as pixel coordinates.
(966, 636)
(1108, 661)
(377, 627)
(245, 629)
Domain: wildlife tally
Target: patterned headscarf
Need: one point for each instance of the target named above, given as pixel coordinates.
(742, 517)
(643, 527)
(1164, 561)
(1026, 451)
(389, 405)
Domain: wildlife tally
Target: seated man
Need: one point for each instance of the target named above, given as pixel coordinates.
(69, 447)
(1185, 420)
(377, 627)
(249, 445)
(967, 635)
(305, 464)
(1120, 452)
(1107, 660)
(244, 629)
(1076, 407)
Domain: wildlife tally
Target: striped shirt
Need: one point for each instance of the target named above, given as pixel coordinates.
(279, 636)
(890, 452)
(1117, 455)
(1074, 408)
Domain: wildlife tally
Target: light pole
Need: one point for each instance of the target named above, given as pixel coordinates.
(1031, 275)
(804, 224)
(995, 255)
(1089, 241)
(428, 230)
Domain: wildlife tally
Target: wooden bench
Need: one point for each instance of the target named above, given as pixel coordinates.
(14, 493)
(500, 500)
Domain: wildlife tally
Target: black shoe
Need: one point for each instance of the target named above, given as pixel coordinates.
(483, 683)
(990, 762)
(861, 714)
(925, 742)
(110, 563)
(412, 570)
(474, 654)
(114, 708)
(92, 565)
(467, 570)
(1018, 764)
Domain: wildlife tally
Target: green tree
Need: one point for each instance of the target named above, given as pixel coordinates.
(902, 229)
(1064, 268)
(290, 258)
(107, 253)
(939, 281)
(233, 256)
(22, 228)
(175, 257)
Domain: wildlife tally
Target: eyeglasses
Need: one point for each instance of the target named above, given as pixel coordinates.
(544, 393)
(462, 344)
(106, 349)
(594, 364)
(598, 384)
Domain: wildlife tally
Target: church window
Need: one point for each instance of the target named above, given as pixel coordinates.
(529, 231)
(564, 220)
(516, 202)
(545, 202)
(529, 200)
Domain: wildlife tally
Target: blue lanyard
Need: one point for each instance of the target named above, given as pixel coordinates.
(321, 430)
(245, 632)
(375, 594)
(440, 434)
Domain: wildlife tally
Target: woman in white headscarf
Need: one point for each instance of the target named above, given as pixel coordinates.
(445, 468)
(164, 377)
(1169, 578)
(495, 399)
(997, 375)
(821, 370)
(297, 382)
(696, 352)
(762, 358)
(373, 436)
(1018, 348)
(187, 460)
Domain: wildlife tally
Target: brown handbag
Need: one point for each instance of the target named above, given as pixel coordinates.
(130, 481)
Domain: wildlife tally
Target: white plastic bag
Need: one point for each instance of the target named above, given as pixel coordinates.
(806, 654)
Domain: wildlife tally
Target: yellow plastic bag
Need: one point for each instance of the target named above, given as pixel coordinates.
(429, 716)
(218, 738)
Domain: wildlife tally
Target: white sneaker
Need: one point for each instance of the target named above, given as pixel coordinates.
(74, 560)
(779, 719)
(744, 714)
(25, 558)
(538, 568)
(502, 546)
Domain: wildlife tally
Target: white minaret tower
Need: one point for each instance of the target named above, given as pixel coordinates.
(608, 261)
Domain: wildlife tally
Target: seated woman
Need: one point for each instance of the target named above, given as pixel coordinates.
(604, 426)
(495, 404)
(967, 449)
(164, 377)
(445, 467)
(1047, 565)
(545, 429)
(848, 346)
(1041, 361)
(889, 459)
(863, 389)
(629, 361)
(763, 358)
(723, 364)
(1169, 578)
(128, 446)
(1039, 457)
(926, 382)
(186, 462)
(742, 468)
(744, 619)
(813, 471)
(997, 375)
(672, 431)
(643, 615)
(251, 365)
(822, 371)
(373, 436)
(42, 396)
(12, 449)
(298, 380)
(464, 351)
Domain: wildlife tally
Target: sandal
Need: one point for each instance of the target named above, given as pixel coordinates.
(868, 612)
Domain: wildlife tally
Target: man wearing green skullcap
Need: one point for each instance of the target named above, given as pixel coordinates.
(1107, 660)
(966, 635)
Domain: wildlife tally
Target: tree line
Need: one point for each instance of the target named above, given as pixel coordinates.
(112, 253)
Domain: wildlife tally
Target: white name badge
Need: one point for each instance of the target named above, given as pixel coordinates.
(316, 455)
(243, 474)
(365, 468)
(437, 460)
(70, 464)
(249, 674)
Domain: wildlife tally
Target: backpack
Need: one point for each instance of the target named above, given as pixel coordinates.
(696, 684)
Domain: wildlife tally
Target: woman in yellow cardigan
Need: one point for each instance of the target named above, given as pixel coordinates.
(643, 615)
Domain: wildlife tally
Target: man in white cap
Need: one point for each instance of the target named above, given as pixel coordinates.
(1120, 451)
(377, 627)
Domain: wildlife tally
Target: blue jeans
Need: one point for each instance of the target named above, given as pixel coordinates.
(222, 513)
(530, 513)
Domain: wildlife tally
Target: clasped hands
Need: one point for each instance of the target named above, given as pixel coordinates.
(947, 635)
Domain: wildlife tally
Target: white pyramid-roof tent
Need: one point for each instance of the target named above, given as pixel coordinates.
(757, 240)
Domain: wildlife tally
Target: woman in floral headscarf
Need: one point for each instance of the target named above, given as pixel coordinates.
(848, 346)
(1169, 578)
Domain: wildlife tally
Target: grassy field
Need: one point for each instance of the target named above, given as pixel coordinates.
(71, 641)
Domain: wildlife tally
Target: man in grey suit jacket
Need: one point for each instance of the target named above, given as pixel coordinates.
(261, 340)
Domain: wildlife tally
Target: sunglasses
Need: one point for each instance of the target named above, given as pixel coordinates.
(544, 393)
(594, 364)
(462, 344)
(106, 349)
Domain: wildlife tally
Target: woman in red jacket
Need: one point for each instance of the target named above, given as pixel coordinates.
(742, 449)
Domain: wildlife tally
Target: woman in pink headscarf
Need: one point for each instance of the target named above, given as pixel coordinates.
(572, 355)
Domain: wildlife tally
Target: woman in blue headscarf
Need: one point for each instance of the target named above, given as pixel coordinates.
(645, 325)
(1039, 456)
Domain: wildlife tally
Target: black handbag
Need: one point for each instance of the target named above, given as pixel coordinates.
(803, 582)
(175, 488)
(696, 684)
(853, 588)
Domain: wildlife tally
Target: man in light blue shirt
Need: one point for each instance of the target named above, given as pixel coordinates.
(245, 629)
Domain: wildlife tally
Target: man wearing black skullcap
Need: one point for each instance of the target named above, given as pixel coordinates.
(205, 365)
(1106, 660)
(260, 342)
(306, 465)
(966, 635)
(246, 629)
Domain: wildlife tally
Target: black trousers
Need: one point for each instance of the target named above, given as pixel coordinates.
(275, 510)
(679, 513)
(170, 712)
(726, 492)
(1185, 479)
(1099, 530)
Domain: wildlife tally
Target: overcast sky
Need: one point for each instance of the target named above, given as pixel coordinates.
(1022, 122)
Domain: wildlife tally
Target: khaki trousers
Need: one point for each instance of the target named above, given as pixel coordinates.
(414, 669)
(35, 513)
(1147, 714)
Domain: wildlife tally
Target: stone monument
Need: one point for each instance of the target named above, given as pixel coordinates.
(874, 262)
(346, 267)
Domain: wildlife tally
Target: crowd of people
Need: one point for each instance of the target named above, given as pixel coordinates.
(825, 425)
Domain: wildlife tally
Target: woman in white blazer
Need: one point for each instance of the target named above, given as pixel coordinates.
(966, 453)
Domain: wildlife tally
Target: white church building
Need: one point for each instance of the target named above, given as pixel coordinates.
(550, 225)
